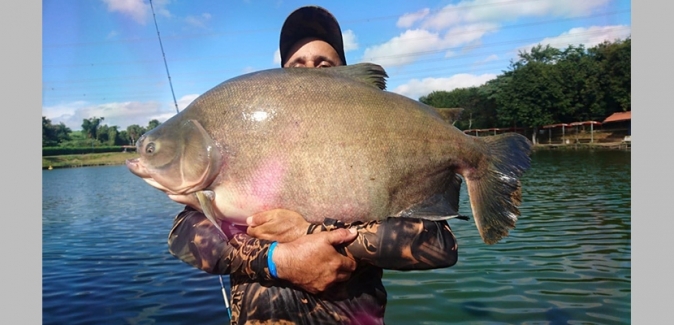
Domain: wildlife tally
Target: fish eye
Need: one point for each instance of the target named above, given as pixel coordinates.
(150, 148)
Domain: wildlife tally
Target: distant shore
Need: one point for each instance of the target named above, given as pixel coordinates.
(119, 158)
(87, 160)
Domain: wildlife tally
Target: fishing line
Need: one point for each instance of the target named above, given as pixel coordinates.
(164, 56)
(222, 285)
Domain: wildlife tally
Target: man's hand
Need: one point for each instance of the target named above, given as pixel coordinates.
(312, 263)
(277, 225)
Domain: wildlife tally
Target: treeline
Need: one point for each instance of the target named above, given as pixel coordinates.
(93, 134)
(547, 86)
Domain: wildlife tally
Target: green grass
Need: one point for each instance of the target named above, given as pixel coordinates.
(94, 159)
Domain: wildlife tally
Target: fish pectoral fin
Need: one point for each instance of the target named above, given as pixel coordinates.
(436, 207)
(210, 195)
(206, 199)
(441, 206)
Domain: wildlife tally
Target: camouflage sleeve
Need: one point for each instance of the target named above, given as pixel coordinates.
(402, 243)
(195, 241)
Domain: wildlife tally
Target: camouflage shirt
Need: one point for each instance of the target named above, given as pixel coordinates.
(257, 298)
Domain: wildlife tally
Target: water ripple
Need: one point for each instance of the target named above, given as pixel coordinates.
(568, 261)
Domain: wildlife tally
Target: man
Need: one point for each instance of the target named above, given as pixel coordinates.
(284, 270)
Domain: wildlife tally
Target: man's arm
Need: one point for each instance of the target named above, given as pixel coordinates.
(393, 243)
(405, 244)
(194, 240)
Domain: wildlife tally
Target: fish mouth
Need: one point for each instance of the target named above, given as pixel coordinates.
(137, 168)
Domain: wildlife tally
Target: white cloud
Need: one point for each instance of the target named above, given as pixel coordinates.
(407, 20)
(121, 114)
(589, 37)
(416, 88)
(490, 58)
(199, 21)
(412, 44)
(497, 11)
(186, 100)
(465, 34)
(442, 19)
(464, 25)
(402, 49)
(350, 42)
(160, 7)
(277, 57)
(138, 10)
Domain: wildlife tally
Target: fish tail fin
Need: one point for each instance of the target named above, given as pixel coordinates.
(495, 191)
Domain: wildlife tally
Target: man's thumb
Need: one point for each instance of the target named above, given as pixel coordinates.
(341, 236)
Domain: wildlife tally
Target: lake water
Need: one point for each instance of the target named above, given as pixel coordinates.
(105, 257)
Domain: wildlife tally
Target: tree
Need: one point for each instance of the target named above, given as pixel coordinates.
(152, 124)
(48, 133)
(62, 133)
(533, 93)
(540, 54)
(102, 133)
(109, 135)
(478, 109)
(90, 126)
(124, 138)
(53, 135)
(113, 136)
(134, 132)
(579, 79)
(614, 60)
(546, 86)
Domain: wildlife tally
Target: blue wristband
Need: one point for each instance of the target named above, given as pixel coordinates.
(270, 261)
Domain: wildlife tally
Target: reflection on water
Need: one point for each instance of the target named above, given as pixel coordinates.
(568, 259)
(105, 259)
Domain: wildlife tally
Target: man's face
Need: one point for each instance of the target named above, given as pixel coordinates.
(312, 52)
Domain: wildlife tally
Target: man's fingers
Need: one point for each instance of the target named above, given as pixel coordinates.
(256, 232)
(251, 222)
(257, 219)
(340, 236)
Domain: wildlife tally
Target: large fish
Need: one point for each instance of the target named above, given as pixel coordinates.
(330, 143)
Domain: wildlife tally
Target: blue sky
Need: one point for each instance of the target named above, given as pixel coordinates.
(103, 57)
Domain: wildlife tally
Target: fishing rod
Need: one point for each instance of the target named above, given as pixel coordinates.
(222, 285)
(164, 56)
(224, 296)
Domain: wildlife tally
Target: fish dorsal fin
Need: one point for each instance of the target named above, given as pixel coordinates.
(368, 73)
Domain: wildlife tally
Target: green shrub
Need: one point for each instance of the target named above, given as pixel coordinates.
(59, 151)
